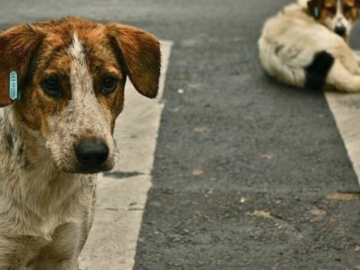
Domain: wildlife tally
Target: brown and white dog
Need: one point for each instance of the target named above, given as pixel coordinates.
(306, 45)
(71, 74)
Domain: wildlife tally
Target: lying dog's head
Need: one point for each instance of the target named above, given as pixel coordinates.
(337, 15)
(72, 74)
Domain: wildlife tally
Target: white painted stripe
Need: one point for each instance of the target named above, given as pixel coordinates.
(346, 111)
(113, 238)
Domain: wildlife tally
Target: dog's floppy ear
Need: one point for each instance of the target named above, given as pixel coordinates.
(140, 53)
(17, 45)
(315, 7)
(355, 10)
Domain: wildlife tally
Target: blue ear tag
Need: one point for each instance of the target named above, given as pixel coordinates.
(316, 12)
(13, 84)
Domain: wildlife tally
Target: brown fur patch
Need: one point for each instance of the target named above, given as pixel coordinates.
(351, 9)
(137, 55)
(328, 8)
(17, 47)
(136, 45)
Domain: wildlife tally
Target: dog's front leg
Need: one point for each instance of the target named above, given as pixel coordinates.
(14, 250)
(63, 252)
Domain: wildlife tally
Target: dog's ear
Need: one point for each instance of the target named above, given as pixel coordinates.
(17, 45)
(140, 55)
(355, 10)
(315, 8)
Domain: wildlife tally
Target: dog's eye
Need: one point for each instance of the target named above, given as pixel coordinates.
(331, 9)
(109, 85)
(51, 87)
(347, 9)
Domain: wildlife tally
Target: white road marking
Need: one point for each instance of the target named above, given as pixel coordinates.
(113, 238)
(346, 111)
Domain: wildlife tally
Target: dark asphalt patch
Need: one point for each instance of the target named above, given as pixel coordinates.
(213, 231)
(231, 133)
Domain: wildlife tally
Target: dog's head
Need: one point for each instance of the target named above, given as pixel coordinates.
(72, 74)
(337, 15)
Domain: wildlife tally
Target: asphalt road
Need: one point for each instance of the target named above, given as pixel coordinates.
(245, 169)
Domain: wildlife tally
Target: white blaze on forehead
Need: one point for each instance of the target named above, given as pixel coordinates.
(338, 8)
(80, 77)
(339, 17)
(86, 111)
(77, 49)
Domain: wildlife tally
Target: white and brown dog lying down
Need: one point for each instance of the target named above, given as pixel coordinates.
(306, 45)
(55, 137)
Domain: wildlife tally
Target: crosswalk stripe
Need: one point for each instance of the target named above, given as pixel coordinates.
(346, 111)
(122, 194)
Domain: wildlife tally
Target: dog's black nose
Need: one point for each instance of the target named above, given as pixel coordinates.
(91, 154)
(340, 30)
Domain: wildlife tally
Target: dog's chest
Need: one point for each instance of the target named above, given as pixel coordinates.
(40, 207)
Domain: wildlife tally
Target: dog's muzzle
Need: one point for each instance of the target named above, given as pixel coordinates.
(91, 155)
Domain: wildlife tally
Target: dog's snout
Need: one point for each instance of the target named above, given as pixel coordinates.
(91, 154)
(340, 30)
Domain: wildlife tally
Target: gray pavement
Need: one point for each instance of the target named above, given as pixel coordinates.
(271, 157)
(248, 174)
